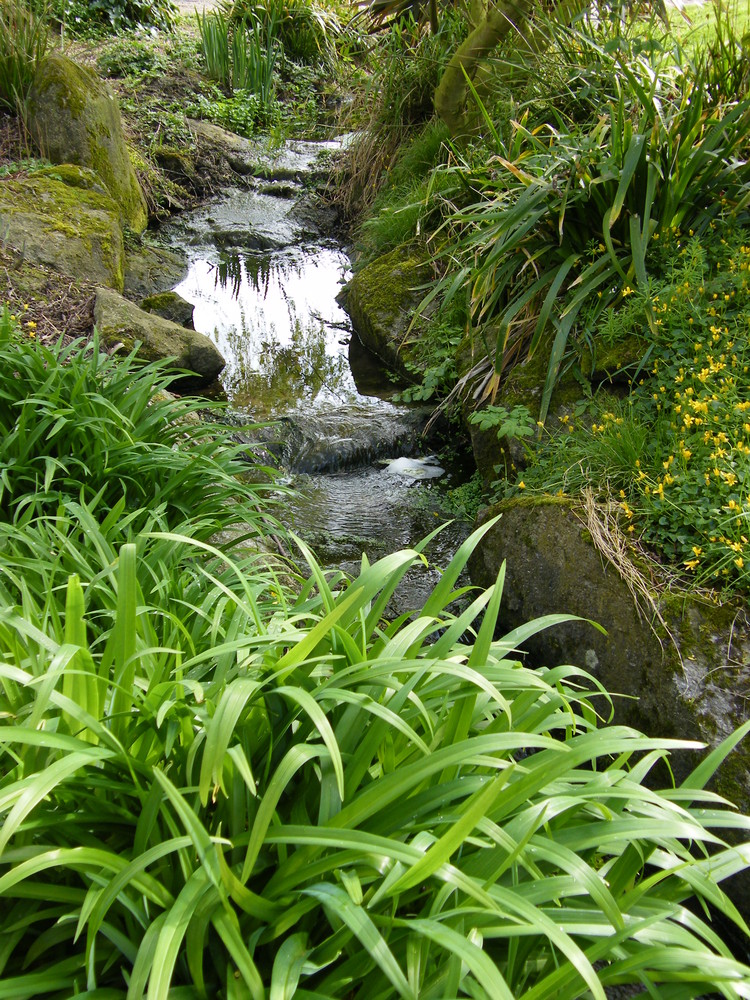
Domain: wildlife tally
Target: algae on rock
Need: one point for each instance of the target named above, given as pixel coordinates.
(667, 669)
(74, 230)
(121, 322)
(73, 117)
(381, 300)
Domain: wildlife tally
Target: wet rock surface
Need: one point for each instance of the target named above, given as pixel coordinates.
(75, 230)
(685, 674)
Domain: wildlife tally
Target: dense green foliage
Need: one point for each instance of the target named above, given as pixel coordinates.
(23, 42)
(82, 425)
(599, 212)
(94, 18)
(675, 454)
(214, 785)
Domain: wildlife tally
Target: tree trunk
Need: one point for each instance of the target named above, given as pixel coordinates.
(503, 16)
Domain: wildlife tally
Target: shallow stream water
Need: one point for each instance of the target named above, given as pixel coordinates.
(264, 280)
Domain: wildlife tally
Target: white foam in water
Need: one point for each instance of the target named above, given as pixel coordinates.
(414, 468)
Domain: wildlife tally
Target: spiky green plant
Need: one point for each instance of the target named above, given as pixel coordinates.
(78, 423)
(23, 42)
(235, 792)
(556, 225)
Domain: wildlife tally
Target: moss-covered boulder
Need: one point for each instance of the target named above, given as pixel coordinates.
(685, 672)
(381, 300)
(171, 306)
(74, 230)
(122, 322)
(73, 117)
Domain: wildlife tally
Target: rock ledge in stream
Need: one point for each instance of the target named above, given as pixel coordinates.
(554, 567)
(122, 322)
(295, 161)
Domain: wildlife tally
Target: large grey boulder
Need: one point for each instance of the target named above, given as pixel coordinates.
(73, 117)
(684, 673)
(151, 269)
(122, 322)
(73, 229)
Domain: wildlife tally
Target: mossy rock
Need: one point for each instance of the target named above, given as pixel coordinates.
(122, 322)
(614, 362)
(73, 117)
(74, 176)
(74, 230)
(171, 306)
(381, 300)
(152, 269)
(683, 677)
(178, 167)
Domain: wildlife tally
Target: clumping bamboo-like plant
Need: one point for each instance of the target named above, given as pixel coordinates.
(217, 780)
(24, 38)
(226, 790)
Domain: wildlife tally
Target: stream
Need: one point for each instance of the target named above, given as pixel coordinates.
(263, 280)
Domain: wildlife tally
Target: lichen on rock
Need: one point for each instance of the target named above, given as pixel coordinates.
(121, 322)
(74, 230)
(381, 300)
(73, 117)
(667, 668)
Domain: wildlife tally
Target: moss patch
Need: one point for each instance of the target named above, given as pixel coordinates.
(74, 118)
(74, 230)
(381, 300)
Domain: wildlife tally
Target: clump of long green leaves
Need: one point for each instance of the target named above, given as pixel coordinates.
(556, 224)
(78, 423)
(307, 31)
(23, 42)
(240, 56)
(212, 788)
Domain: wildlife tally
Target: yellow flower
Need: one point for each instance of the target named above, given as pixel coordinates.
(522, 485)
(691, 563)
(739, 563)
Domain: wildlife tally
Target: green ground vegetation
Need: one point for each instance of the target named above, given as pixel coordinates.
(224, 772)
(591, 220)
(225, 776)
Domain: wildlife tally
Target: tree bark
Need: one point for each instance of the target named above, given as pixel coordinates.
(503, 16)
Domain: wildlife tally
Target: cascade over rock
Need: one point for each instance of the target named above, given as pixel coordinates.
(122, 322)
(683, 676)
(73, 229)
(73, 117)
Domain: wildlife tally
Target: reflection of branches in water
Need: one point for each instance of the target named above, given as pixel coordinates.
(228, 271)
(236, 267)
(286, 373)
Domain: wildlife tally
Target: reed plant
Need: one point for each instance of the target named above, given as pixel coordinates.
(221, 781)
(213, 29)
(254, 56)
(240, 56)
(24, 38)
(555, 225)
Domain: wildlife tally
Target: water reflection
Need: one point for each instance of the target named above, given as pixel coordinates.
(275, 319)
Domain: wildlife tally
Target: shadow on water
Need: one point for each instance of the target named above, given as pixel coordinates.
(264, 287)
